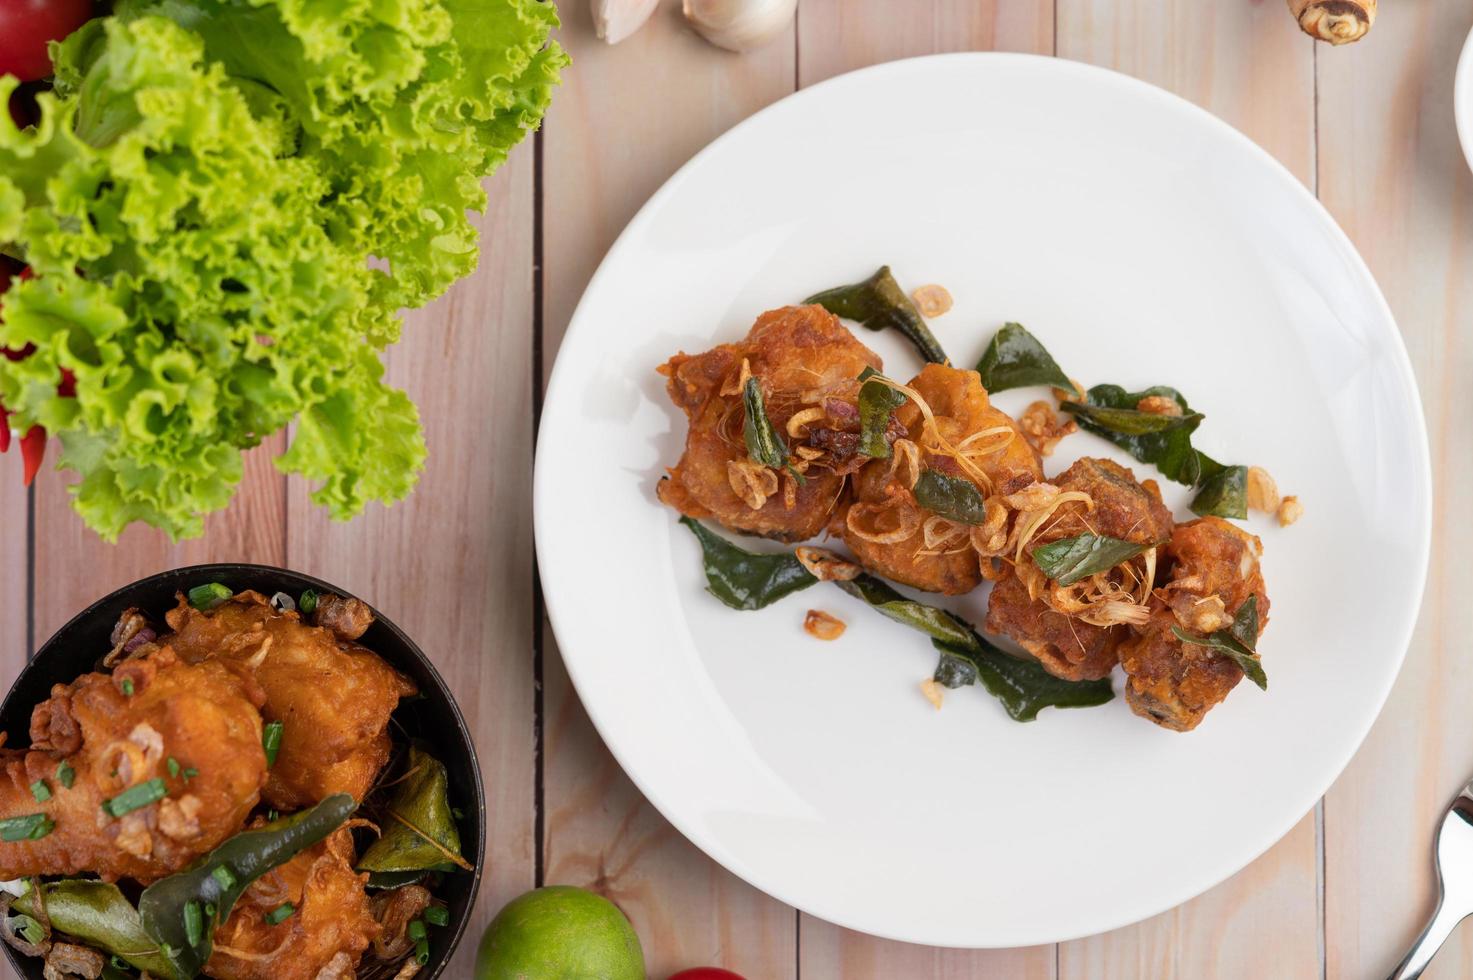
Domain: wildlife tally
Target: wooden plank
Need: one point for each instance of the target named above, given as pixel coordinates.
(1249, 64)
(14, 569)
(1392, 173)
(626, 118)
(74, 566)
(452, 565)
(836, 36)
(1235, 930)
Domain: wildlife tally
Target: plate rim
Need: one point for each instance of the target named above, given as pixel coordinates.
(558, 379)
(1463, 99)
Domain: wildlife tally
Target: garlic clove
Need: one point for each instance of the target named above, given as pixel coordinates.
(614, 20)
(740, 25)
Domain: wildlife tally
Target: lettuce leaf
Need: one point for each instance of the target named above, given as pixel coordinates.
(225, 204)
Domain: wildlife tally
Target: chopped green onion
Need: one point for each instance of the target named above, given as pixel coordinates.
(32, 826)
(40, 791)
(280, 914)
(417, 930)
(224, 877)
(194, 924)
(135, 797)
(209, 910)
(119, 963)
(173, 765)
(437, 915)
(34, 932)
(308, 602)
(422, 951)
(272, 816)
(189, 773)
(127, 687)
(271, 741)
(208, 596)
(65, 774)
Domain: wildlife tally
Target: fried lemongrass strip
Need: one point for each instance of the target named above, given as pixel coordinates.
(931, 429)
(1148, 581)
(1002, 434)
(908, 517)
(1110, 598)
(1098, 602)
(1031, 519)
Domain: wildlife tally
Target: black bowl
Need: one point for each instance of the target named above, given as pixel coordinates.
(433, 717)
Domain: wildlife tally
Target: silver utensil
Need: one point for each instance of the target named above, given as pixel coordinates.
(1453, 857)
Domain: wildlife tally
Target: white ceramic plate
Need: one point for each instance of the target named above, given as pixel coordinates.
(1463, 98)
(1145, 242)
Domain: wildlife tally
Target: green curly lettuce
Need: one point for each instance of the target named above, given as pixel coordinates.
(225, 204)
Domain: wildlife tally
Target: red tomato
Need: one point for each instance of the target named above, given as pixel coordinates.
(706, 973)
(26, 26)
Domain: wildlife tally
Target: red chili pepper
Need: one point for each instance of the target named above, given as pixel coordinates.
(33, 443)
(32, 449)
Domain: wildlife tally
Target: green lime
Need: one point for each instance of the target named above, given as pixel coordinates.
(560, 933)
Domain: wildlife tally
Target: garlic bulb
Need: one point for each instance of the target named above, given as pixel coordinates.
(614, 20)
(740, 25)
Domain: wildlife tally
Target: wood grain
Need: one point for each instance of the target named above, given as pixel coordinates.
(626, 118)
(1248, 64)
(74, 566)
(836, 36)
(1392, 173)
(452, 565)
(14, 568)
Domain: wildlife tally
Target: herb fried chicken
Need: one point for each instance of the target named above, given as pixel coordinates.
(794, 431)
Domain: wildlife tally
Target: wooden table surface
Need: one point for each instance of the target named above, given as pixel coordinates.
(1369, 128)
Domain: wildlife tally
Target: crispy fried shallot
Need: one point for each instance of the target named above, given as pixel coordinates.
(1043, 427)
(752, 482)
(826, 566)
(822, 626)
(869, 521)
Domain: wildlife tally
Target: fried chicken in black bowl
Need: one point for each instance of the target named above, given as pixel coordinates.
(239, 772)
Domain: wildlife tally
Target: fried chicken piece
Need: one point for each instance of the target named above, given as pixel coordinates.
(807, 364)
(196, 727)
(331, 921)
(332, 696)
(1067, 648)
(888, 530)
(1094, 496)
(1123, 508)
(1214, 569)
